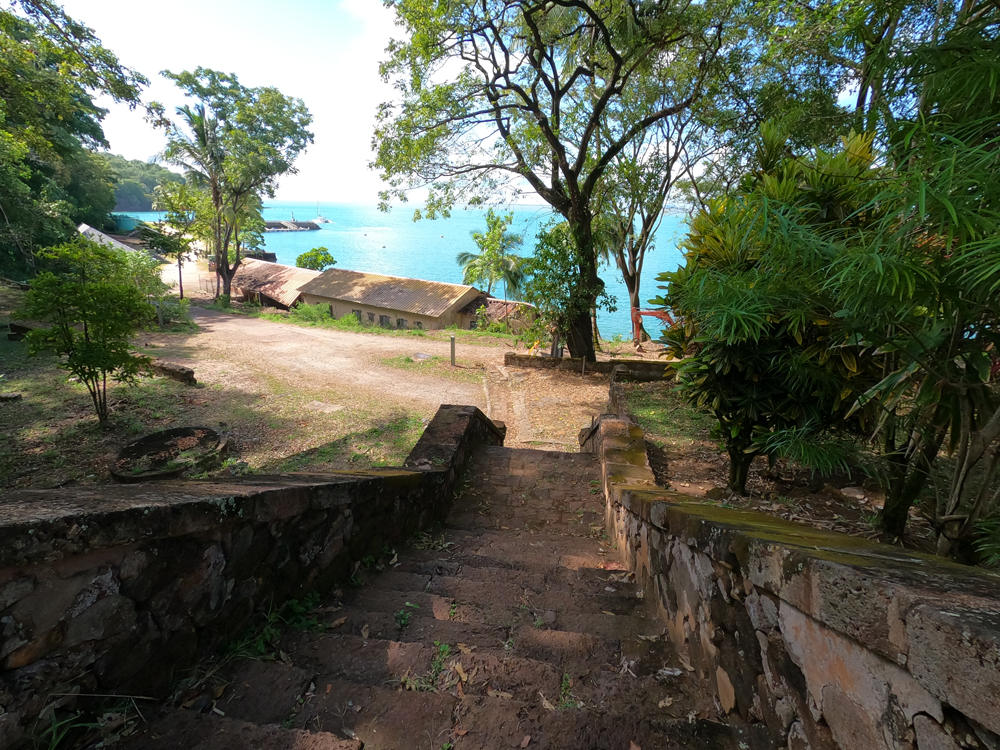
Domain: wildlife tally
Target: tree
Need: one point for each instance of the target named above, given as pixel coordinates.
(496, 261)
(758, 338)
(93, 306)
(317, 259)
(507, 95)
(187, 216)
(551, 281)
(137, 182)
(632, 198)
(236, 142)
(51, 67)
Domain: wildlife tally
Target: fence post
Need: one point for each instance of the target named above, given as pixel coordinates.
(453, 350)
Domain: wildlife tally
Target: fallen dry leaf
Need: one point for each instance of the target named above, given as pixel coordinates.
(545, 702)
(461, 732)
(464, 649)
(337, 623)
(460, 691)
(461, 672)
(605, 612)
(328, 689)
(685, 663)
(498, 694)
(633, 746)
(364, 632)
(526, 741)
(665, 702)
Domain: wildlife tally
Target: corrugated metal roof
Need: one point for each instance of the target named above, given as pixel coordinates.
(431, 298)
(280, 283)
(100, 237)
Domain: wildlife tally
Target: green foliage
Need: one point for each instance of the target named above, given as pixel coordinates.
(51, 68)
(586, 81)
(235, 142)
(93, 302)
(759, 344)
(553, 283)
(306, 313)
(317, 259)
(496, 261)
(137, 182)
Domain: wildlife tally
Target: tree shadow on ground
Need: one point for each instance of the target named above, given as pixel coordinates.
(51, 437)
(385, 444)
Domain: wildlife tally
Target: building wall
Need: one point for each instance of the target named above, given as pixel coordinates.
(340, 308)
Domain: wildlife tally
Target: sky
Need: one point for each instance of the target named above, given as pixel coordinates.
(326, 53)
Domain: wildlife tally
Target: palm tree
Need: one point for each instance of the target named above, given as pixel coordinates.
(200, 153)
(495, 262)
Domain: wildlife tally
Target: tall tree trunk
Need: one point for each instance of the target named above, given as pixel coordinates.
(597, 332)
(581, 330)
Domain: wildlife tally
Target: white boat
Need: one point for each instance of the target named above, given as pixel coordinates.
(320, 218)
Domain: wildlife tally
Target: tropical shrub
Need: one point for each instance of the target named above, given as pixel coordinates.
(93, 307)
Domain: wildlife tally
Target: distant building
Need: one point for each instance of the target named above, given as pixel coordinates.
(117, 242)
(393, 301)
(270, 284)
(517, 315)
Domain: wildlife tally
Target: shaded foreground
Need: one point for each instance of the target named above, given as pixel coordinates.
(515, 627)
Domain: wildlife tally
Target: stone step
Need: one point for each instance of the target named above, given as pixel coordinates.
(384, 718)
(326, 658)
(193, 731)
(452, 598)
(396, 718)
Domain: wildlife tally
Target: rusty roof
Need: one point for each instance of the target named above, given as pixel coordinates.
(430, 298)
(280, 283)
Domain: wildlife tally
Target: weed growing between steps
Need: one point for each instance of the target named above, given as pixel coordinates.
(431, 680)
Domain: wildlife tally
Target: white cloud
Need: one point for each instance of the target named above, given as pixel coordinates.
(325, 53)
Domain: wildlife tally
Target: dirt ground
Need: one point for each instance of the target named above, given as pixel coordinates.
(288, 397)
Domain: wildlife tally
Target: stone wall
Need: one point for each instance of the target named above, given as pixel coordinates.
(808, 638)
(635, 369)
(119, 589)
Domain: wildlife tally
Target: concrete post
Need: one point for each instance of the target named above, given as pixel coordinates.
(453, 350)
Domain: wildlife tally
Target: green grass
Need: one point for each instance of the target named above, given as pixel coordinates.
(463, 371)
(386, 444)
(318, 316)
(667, 419)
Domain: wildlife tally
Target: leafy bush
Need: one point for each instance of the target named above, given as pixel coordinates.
(306, 313)
(93, 307)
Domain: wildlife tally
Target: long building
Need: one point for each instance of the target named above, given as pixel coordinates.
(394, 301)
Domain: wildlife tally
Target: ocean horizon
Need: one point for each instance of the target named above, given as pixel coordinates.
(362, 238)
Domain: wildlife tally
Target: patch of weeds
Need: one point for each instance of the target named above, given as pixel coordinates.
(403, 616)
(424, 540)
(428, 682)
(566, 697)
(539, 622)
(870, 518)
(368, 561)
(260, 641)
(595, 486)
(453, 610)
(298, 614)
(437, 663)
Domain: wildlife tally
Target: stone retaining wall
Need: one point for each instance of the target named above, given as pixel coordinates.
(637, 369)
(809, 638)
(119, 589)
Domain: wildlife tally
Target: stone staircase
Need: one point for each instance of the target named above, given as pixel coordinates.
(513, 627)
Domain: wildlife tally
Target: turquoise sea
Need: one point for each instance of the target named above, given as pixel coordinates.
(365, 239)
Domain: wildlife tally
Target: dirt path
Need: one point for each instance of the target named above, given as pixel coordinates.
(321, 358)
(540, 408)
